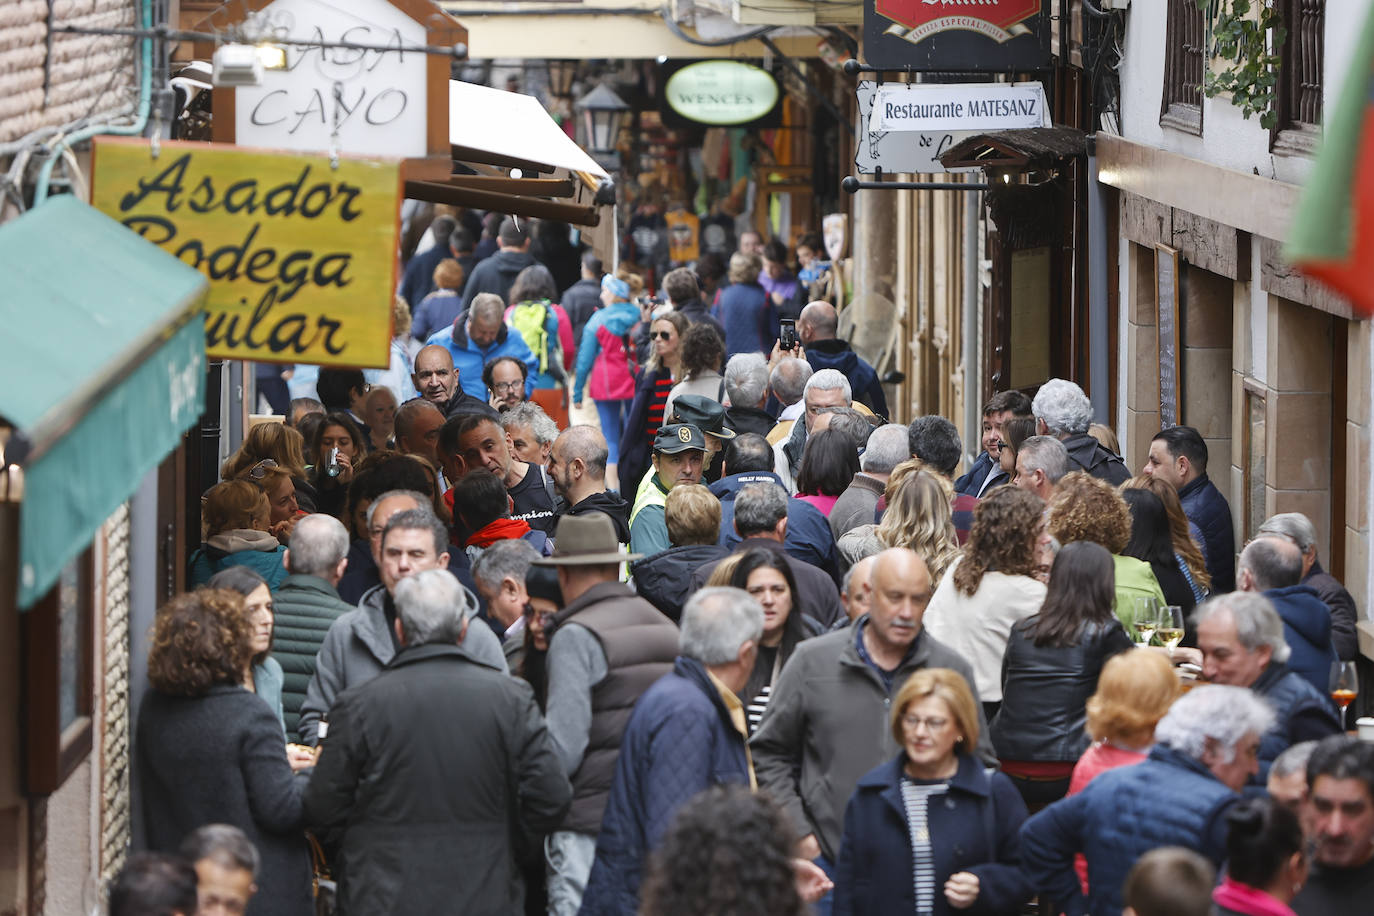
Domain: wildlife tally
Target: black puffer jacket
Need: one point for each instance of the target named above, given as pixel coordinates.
(665, 579)
(1045, 691)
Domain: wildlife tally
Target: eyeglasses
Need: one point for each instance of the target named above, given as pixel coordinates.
(259, 470)
(500, 387)
(661, 335)
(545, 617)
(933, 724)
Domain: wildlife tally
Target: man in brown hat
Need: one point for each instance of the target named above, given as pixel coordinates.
(608, 647)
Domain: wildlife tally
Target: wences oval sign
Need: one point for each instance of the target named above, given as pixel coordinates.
(721, 92)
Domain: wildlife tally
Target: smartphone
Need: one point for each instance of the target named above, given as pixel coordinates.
(787, 338)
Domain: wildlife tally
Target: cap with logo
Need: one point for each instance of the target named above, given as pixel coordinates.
(679, 437)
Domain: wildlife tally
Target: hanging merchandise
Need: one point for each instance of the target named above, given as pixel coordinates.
(683, 236)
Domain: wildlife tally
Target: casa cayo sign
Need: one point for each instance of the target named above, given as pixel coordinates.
(723, 93)
(961, 35)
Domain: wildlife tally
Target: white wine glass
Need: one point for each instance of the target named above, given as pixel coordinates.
(1345, 686)
(1146, 619)
(1170, 629)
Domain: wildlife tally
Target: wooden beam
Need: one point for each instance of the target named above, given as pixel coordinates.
(532, 187)
(467, 153)
(444, 193)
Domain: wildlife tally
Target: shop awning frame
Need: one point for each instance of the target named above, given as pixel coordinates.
(102, 369)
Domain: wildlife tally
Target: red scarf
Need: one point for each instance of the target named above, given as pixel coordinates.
(503, 529)
(1246, 899)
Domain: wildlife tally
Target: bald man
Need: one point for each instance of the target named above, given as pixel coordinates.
(417, 429)
(827, 722)
(437, 381)
(577, 466)
(817, 327)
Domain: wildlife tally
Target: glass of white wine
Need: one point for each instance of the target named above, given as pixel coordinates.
(1146, 619)
(1170, 629)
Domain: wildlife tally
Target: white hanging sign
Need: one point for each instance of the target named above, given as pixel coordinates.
(981, 107)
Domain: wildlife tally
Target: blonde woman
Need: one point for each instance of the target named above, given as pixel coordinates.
(917, 516)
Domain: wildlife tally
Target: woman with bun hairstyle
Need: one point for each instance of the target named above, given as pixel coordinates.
(604, 360)
(1265, 862)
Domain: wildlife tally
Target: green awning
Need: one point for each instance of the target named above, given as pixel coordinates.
(102, 368)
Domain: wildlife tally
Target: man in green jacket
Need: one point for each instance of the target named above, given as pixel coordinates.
(306, 603)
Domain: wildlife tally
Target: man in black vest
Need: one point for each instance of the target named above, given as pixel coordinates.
(608, 647)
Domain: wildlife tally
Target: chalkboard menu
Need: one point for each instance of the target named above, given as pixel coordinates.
(1166, 323)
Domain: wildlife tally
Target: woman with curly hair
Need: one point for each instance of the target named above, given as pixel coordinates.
(703, 356)
(1084, 508)
(932, 830)
(1185, 536)
(990, 587)
(1050, 669)
(917, 516)
(207, 751)
(727, 853)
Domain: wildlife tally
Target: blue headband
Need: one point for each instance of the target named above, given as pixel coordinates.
(619, 287)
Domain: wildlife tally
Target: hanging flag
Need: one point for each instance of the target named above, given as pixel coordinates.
(1332, 238)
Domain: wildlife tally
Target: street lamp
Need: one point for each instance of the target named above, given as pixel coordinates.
(601, 110)
(561, 76)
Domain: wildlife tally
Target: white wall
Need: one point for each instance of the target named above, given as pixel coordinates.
(1227, 138)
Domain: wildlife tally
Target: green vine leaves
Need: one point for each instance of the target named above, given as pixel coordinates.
(1242, 39)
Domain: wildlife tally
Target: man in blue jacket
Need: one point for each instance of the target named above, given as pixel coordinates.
(1179, 455)
(817, 327)
(749, 459)
(686, 734)
(1273, 567)
(478, 336)
(1177, 796)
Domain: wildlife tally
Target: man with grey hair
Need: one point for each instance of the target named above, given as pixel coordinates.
(500, 576)
(480, 335)
(306, 604)
(1203, 758)
(818, 328)
(1272, 566)
(1062, 410)
(887, 447)
(787, 382)
(826, 388)
(749, 459)
(686, 734)
(1241, 639)
(361, 643)
(226, 864)
(391, 759)
(1041, 462)
(1287, 783)
(761, 520)
(746, 385)
(1297, 528)
(531, 432)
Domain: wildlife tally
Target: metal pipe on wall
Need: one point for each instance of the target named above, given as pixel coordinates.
(1099, 357)
(973, 378)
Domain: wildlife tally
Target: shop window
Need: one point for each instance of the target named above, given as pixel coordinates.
(58, 637)
(1299, 92)
(1184, 59)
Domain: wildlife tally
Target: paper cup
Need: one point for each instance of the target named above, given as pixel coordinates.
(1365, 726)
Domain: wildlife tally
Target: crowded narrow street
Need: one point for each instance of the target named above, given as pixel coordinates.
(820, 458)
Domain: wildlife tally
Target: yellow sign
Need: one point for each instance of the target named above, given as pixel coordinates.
(301, 257)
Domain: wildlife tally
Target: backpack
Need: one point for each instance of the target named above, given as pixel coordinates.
(531, 319)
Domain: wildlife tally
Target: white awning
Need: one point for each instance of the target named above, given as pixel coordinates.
(512, 125)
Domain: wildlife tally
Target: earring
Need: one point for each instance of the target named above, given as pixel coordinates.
(959, 740)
